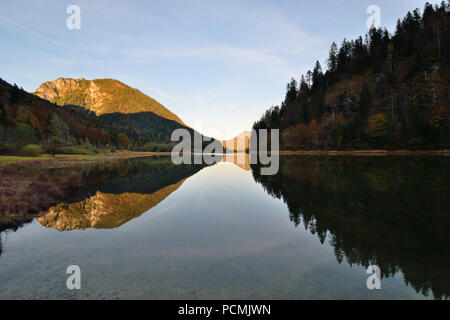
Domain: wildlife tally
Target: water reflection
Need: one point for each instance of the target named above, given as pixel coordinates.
(242, 160)
(146, 182)
(389, 212)
(103, 210)
(100, 195)
(126, 190)
(222, 230)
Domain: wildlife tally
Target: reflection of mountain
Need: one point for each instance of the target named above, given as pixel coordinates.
(389, 212)
(121, 192)
(242, 160)
(103, 211)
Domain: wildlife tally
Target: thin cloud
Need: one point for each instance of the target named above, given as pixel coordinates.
(164, 95)
(42, 36)
(217, 52)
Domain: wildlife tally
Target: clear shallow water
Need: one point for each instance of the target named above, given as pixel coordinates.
(149, 230)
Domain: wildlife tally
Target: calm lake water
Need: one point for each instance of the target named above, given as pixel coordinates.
(148, 229)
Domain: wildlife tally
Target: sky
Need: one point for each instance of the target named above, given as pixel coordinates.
(218, 65)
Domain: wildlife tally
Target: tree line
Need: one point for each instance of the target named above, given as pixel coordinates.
(381, 91)
(30, 126)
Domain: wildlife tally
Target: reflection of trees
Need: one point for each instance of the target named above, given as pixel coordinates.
(117, 193)
(25, 192)
(388, 212)
(144, 176)
(99, 195)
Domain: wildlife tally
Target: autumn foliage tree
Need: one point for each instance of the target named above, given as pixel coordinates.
(123, 141)
(57, 134)
(378, 129)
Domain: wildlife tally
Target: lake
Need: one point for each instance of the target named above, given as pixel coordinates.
(148, 229)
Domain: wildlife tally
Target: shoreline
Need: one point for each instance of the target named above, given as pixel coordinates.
(5, 160)
(77, 158)
(367, 153)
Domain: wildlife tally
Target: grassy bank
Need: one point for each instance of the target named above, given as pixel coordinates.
(82, 157)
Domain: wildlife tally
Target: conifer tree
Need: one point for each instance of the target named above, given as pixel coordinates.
(332, 58)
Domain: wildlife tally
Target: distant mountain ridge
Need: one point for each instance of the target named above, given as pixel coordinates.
(102, 96)
(238, 143)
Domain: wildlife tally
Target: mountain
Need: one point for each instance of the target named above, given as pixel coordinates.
(26, 118)
(238, 143)
(381, 91)
(103, 114)
(102, 96)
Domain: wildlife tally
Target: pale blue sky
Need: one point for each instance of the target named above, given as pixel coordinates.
(217, 64)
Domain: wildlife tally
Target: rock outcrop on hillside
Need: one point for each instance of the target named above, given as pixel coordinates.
(102, 96)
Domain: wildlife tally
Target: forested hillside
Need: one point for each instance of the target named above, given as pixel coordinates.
(30, 125)
(382, 91)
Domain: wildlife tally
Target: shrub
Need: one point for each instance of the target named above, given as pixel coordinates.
(93, 150)
(26, 134)
(378, 129)
(123, 141)
(158, 147)
(4, 148)
(31, 150)
(415, 143)
(79, 150)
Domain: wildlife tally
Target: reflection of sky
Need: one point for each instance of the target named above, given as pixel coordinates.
(218, 236)
(217, 64)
